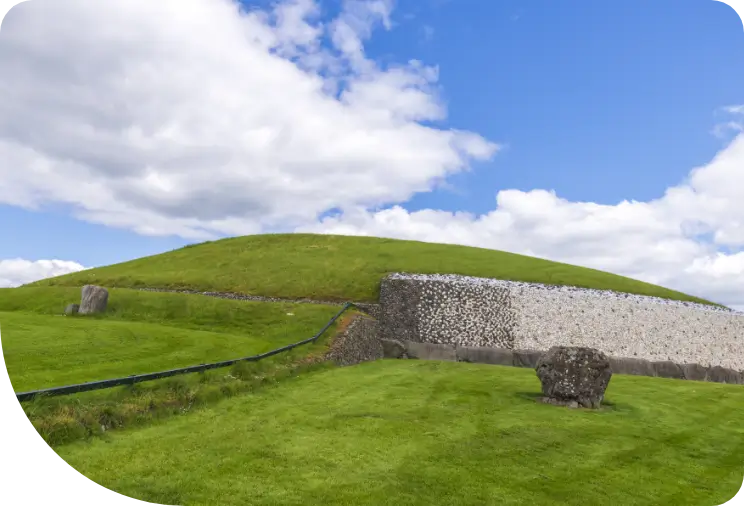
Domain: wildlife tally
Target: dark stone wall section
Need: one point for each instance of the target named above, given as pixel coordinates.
(528, 359)
(432, 311)
(358, 343)
(399, 302)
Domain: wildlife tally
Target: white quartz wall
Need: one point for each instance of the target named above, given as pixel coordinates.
(485, 312)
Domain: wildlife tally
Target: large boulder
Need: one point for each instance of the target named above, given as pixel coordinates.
(94, 300)
(573, 376)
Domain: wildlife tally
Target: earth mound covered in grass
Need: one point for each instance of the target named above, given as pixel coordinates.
(336, 268)
(292, 429)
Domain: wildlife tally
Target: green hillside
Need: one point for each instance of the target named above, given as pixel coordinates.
(336, 268)
(294, 429)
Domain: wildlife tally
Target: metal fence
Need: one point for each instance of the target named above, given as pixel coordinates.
(139, 378)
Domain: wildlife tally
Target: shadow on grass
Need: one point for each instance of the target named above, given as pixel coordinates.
(607, 404)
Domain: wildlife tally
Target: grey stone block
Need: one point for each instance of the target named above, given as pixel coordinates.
(483, 355)
(694, 372)
(72, 309)
(430, 351)
(723, 375)
(392, 349)
(667, 369)
(571, 374)
(526, 358)
(94, 300)
(634, 366)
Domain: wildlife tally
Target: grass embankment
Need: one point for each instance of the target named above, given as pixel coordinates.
(340, 268)
(144, 332)
(421, 433)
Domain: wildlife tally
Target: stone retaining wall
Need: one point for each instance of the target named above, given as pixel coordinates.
(528, 358)
(478, 312)
(360, 342)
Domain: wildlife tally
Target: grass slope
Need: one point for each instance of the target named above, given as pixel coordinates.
(141, 332)
(327, 267)
(421, 433)
(147, 332)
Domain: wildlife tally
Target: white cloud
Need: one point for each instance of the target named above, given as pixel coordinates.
(735, 126)
(16, 272)
(661, 241)
(196, 119)
(734, 109)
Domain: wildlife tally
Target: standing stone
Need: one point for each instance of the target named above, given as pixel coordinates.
(95, 299)
(573, 376)
(72, 309)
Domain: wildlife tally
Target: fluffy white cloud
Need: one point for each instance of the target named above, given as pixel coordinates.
(197, 118)
(662, 241)
(16, 272)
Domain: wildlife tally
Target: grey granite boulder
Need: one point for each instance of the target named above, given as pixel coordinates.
(94, 299)
(72, 309)
(573, 376)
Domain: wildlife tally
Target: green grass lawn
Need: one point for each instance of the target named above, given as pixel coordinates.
(141, 332)
(335, 268)
(144, 332)
(423, 433)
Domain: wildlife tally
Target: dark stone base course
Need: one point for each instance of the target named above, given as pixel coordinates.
(528, 358)
(358, 343)
(633, 366)
(430, 351)
(483, 355)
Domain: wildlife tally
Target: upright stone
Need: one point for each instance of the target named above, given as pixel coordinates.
(72, 309)
(573, 376)
(94, 300)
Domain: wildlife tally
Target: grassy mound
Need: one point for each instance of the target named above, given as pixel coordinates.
(421, 433)
(336, 268)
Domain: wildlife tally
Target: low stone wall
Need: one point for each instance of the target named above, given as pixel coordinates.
(528, 358)
(478, 312)
(360, 342)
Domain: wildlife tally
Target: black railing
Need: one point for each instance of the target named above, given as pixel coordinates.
(138, 378)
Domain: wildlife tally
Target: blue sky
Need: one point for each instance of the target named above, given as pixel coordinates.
(599, 102)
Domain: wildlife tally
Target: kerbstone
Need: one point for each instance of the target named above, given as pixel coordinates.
(392, 348)
(632, 366)
(573, 376)
(723, 375)
(667, 369)
(526, 358)
(485, 355)
(430, 351)
(694, 372)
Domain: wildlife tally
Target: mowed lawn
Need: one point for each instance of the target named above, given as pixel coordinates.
(141, 332)
(326, 267)
(423, 432)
